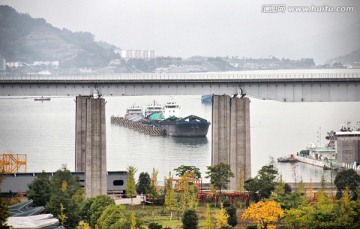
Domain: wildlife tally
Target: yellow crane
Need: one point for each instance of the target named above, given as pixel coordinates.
(13, 163)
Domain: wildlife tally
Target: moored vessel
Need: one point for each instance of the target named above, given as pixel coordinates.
(153, 108)
(134, 111)
(172, 108)
(190, 126)
(166, 118)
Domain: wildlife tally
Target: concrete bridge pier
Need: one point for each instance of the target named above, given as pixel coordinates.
(90, 144)
(231, 137)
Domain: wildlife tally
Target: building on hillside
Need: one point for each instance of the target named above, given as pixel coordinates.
(136, 54)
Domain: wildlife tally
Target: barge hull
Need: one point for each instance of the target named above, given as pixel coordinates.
(186, 129)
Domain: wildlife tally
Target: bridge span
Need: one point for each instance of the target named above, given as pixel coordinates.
(286, 86)
(230, 115)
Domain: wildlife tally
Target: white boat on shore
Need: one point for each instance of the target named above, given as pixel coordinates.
(42, 98)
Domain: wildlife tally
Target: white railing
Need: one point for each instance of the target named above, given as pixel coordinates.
(231, 76)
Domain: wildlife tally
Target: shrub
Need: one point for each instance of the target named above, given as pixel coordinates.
(190, 219)
(226, 203)
(232, 220)
(155, 226)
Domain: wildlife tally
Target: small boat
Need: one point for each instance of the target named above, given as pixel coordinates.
(42, 98)
(290, 158)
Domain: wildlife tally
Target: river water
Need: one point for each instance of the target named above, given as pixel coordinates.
(45, 131)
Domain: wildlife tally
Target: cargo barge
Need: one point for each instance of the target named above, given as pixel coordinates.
(163, 120)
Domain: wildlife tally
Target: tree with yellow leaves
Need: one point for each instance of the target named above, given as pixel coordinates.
(241, 180)
(264, 214)
(133, 221)
(311, 189)
(301, 187)
(170, 196)
(83, 225)
(154, 188)
(208, 222)
(187, 192)
(62, 217)
(130, 185)
(221, 217)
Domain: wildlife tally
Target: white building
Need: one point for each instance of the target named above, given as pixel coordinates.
(136, 54)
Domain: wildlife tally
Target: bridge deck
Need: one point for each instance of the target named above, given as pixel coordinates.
(288, 85)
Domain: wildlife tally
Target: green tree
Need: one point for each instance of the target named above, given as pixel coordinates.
(100, 203)
(325, 214)
(116, 217)
(264, 183)
(143, 184)
(130, 186)
(219, 175)
(291, 200)
(348, 212)
(181, 170)
(347, 179)
(170, 197)
(39, 190)
(297, 217)
(287, 199)
(279, 189)
(190, 219)
(63, 187)
(232, 219)
(85, 212)
(322, 214)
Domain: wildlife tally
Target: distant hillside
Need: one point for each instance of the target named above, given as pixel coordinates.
(23, 38)
(352, 59)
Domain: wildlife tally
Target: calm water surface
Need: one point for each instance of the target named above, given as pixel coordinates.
(46, 132)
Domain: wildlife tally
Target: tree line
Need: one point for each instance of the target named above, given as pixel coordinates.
(273, 203)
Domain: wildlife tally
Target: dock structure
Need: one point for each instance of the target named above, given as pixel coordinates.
(138, 126)
(231, 137)
(90, 143)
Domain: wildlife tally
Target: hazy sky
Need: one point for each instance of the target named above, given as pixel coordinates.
(207, 27)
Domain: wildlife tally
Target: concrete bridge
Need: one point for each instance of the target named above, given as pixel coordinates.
(286, 86)
(230, 118)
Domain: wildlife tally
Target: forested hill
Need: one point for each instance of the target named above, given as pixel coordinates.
(352, 59)
(26, 39)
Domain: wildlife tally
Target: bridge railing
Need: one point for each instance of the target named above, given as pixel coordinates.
(184, 76)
